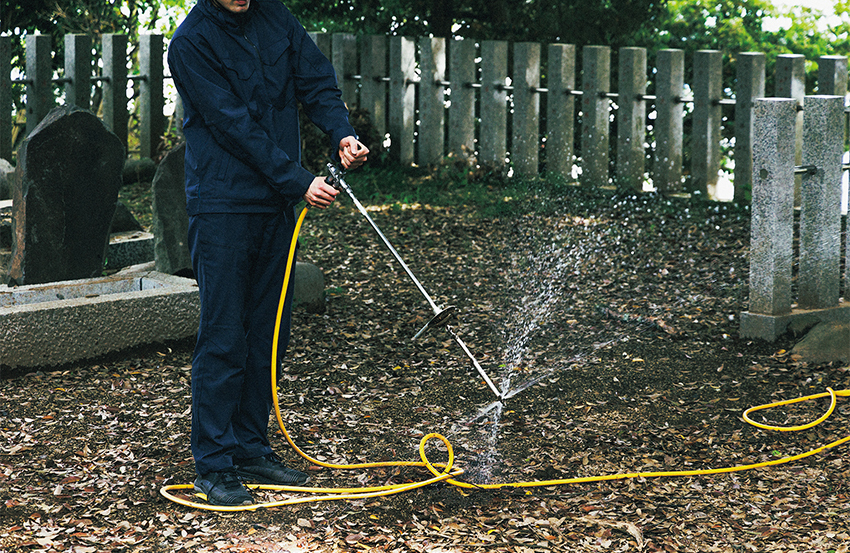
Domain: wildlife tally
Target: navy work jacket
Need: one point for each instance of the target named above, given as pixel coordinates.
(240, 77)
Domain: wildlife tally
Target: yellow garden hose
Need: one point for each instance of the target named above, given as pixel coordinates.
(447, 472)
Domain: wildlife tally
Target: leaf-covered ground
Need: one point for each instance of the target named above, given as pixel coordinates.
(620, 316)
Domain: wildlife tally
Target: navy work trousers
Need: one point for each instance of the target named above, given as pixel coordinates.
(239, 261)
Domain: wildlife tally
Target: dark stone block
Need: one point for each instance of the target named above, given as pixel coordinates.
(170, 221)
(123, 220)
(138, 170)
(68, 177)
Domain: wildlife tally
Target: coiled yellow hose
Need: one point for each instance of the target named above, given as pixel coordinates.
(447, 472)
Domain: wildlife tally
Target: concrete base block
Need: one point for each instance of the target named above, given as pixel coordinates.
(771, 327)
(63, 322)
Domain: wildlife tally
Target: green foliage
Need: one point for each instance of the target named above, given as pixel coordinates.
(89, 17)
(733, 26)
(613, 22)
(92, 17)
(316, 149)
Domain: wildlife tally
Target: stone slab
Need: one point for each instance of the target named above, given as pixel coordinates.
(53, 324)
(825, 343)
(129, 248)
(63, 322)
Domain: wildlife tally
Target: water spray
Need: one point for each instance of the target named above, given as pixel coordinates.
(447, 472)
(441, 314)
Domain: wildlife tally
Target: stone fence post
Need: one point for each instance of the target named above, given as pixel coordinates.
(114, 79)
(373, 89)
(832, 75)
(462, 74)
(39, 87)
(151, 98)
(750, 74)
(560, 109)
(494, 103)
(708, 91)
(78, 71)
(820, 203)
(631, 124)
(525, 142)
(432, 108)
(324, 41)
(595, 105)
(670, 78)
(790, 79)
(344, 59)
(402, 116)
(771, 236)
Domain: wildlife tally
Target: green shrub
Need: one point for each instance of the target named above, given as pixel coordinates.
(316, 149)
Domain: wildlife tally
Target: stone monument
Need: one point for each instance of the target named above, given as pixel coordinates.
(64, 195)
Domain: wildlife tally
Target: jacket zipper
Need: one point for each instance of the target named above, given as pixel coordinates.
(256, 51)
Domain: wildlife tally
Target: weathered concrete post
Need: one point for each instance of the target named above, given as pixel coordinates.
(324, 41)
(151, 97)
(78, 69)
(771, 239)
(790, 80)
(832, 75)
(669, 85)
(462, 74)
(819, 277)
(344, 59)
(595, 105)
(432, 107)
(708, 91)
(402, 98)
(560, 109)
(40, 88)
(373, 89)
(115, 114)
(525, 143)
(494, 102)
(631, 113)
(751, 76)
(832, 81)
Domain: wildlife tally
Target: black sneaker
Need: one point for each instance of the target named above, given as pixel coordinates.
(224, 489)
(269, 469)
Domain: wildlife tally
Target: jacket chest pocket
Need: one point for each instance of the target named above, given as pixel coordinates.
(277, 67)
(244, 76)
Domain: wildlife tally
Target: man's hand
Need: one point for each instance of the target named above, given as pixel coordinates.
(352, 152)
(320, 194)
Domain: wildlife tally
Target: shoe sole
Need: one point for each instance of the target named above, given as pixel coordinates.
(258, 479)
(200, 494)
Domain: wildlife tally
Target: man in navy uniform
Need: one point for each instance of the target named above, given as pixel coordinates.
(241, 68)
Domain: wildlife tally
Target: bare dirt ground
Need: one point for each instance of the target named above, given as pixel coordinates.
(623, 313)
